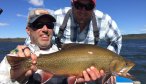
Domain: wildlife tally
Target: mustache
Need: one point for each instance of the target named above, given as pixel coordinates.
(47, 33)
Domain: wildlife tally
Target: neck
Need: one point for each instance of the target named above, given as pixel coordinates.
(45, 48)
(82, 25)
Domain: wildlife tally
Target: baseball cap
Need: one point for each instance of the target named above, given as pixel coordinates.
(35, 14)
(94, 1)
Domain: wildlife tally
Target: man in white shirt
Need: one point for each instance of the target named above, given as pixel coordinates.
(84, 24)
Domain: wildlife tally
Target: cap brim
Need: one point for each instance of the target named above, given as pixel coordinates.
(50, 17)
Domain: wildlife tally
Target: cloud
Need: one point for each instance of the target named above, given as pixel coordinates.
(145, 26)
(49, 10)
(37, 2)
(3, 24)
(20, 15)
(143, 29)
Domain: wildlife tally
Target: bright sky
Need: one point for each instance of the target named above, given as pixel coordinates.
(130, 15)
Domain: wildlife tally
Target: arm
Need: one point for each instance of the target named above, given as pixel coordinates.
(5, 77)
(113, 35)
(115, 42)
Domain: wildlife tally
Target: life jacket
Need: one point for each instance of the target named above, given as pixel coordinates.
(64, 24)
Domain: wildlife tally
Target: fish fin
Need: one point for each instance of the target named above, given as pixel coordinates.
(42, 76)
(106, 77)
(18, 67)
(69, 45)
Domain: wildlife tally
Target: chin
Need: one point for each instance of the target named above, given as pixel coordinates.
(81, 22)
(44, 46)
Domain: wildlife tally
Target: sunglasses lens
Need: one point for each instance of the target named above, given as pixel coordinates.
(89, 6)
(80, 6)
(50, 25)
(40, 25)
(77, 5)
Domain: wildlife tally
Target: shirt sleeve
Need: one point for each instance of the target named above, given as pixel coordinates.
(5, 72)
(113, 35)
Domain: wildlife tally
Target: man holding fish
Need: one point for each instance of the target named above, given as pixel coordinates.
(40, 30)
(84, 25)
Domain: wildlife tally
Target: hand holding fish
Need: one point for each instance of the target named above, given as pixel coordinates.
(21, 51)
(90, 74)
(24, 51)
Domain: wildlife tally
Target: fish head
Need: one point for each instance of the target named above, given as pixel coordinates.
(121, 66)
(128, 65)
(124, 71)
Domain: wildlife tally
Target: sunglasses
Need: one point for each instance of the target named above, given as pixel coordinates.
(39, 25)
(79, 6)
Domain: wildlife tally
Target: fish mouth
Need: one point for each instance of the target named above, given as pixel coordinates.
(124, 72)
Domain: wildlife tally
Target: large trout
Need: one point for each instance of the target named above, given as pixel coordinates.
(73, 60)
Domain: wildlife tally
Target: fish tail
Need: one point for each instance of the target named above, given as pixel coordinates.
(19, 67)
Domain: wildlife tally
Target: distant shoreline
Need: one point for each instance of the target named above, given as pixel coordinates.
(134, 36)
(125, 37)
(12, 39)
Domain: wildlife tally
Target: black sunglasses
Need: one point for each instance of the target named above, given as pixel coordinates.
(79, 6)
(39, 25)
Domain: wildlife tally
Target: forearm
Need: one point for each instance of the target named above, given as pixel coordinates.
(115, 45)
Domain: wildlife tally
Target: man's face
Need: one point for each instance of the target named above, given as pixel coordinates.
(83, 10)
(41, 33)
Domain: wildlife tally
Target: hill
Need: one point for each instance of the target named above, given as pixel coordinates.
(12, 39)
(134, 36)
(129, 36)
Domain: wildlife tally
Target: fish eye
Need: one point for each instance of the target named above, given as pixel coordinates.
(126, 64)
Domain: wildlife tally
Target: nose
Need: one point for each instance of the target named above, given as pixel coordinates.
(82, 10)
(45, 28)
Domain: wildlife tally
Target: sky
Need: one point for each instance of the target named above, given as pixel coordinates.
(130, 15)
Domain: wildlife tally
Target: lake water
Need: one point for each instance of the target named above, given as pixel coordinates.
(134, 50)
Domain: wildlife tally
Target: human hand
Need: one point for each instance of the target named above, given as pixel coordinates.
(90, 74)
(24, 51)
(21, 51)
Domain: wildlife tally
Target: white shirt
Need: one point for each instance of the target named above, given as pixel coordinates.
(108, 30)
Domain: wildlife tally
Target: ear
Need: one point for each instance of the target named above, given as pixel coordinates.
(28, 30)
